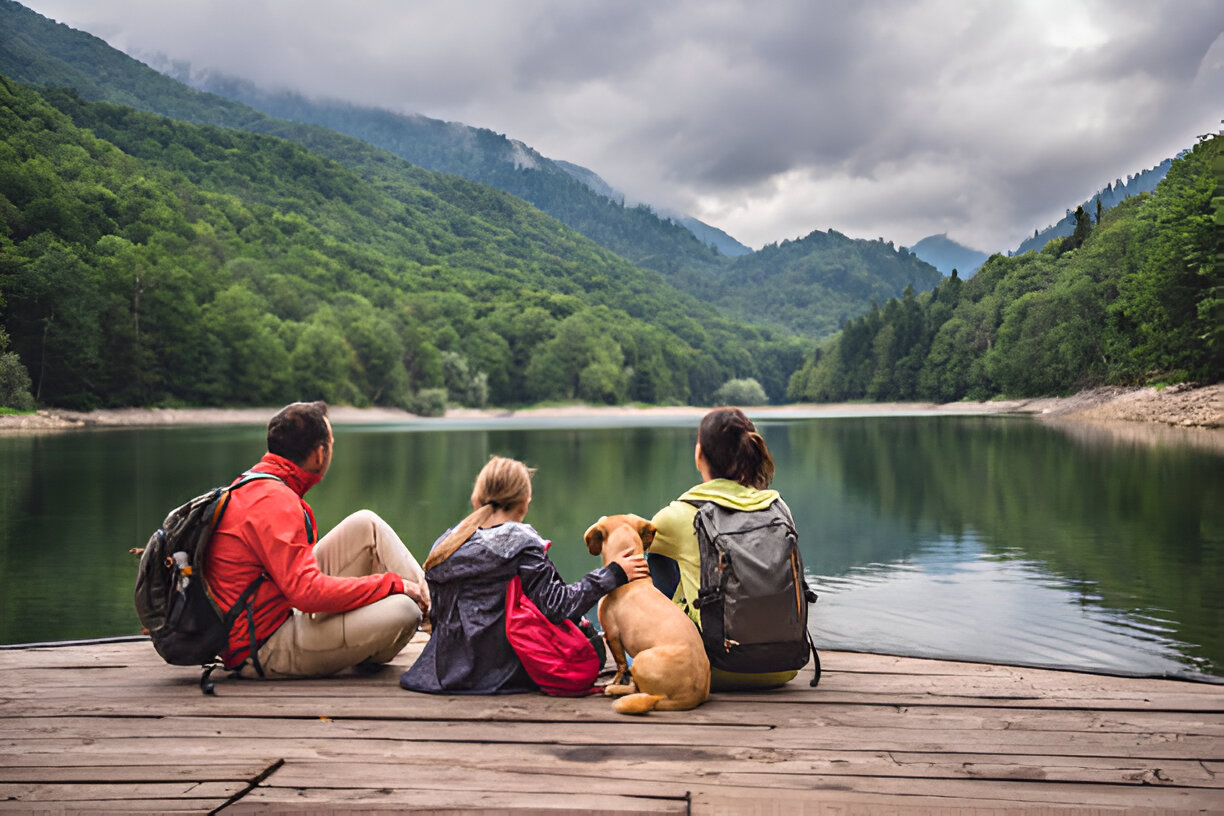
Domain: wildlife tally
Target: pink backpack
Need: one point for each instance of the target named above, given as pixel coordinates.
(557, 656)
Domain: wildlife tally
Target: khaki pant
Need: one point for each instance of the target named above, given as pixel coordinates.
(319, 644)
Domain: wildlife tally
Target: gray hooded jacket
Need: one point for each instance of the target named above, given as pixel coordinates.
(468, 652)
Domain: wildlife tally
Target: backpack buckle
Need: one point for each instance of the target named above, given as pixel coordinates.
(707, 596)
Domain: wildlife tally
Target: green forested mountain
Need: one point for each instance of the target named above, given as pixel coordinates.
(479, 154)
(813, 285)
(1136, 298)
(145, 260)
(809, 286)
(38, 52)
(817, 283)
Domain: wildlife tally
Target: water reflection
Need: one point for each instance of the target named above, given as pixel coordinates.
(1139, 527)
(957, 600)
(987, 538)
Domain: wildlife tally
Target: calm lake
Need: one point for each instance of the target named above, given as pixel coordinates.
(996, 538)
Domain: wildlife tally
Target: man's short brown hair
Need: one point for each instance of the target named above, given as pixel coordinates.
(297, 429)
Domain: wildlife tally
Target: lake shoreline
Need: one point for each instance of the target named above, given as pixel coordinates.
(1182, 406)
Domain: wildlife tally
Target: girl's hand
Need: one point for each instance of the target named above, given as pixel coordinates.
(634, 565)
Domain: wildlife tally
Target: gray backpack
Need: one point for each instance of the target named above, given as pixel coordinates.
(754, 598)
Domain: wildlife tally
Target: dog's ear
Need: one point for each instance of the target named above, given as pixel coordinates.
(595, 535)
(645, 530)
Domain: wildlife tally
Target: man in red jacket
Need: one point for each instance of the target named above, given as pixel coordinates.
(357, 596)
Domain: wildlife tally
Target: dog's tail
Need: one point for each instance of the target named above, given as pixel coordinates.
(638, 703)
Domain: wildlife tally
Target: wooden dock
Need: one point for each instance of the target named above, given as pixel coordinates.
(110, 728)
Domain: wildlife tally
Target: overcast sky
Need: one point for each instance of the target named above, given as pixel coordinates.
(984, 119)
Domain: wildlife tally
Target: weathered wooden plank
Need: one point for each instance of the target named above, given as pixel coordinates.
(841, 669)
(453, 802)
(133, 654)
(710, 763)
(135, 768)
(249, 740)
(859, 805)
(823, 803)
(243, 698)
(851, 667)
(213, 792)
(921, 718)
(653, 730)
(872, 663)
(371, 776)
(1025, 681)
(129, 653)
(1158, 745)
(728, 802)
(118, 808)
(989, 687)
(83, 765)
(26, 685)
(52, 661)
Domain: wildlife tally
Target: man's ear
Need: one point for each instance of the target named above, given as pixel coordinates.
(595, 535)
(646, 532)
(314, 459)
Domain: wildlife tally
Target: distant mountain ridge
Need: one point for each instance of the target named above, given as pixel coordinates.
(947, 255)
(1113, 194)
(591, 179)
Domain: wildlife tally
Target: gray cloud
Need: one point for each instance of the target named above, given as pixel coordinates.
(894, 119)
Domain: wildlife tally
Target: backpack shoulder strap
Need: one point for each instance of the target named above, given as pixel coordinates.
(815, 660)
(254, 476)
(249, 476)
(224, 492)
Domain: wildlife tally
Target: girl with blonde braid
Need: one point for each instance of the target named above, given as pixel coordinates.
(468, 572)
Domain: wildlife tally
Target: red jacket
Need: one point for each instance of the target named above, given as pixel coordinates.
(269, 528)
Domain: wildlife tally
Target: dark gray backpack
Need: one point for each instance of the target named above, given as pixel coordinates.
(184, 623)
(754, 598)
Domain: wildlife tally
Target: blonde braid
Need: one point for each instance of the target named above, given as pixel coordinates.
(501, 484)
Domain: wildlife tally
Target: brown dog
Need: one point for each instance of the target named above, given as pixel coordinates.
(670, 669)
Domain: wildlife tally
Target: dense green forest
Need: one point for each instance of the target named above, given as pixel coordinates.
(1135, 298)
(41, 53)
(224, 257)
(816, 284)
(145, 260)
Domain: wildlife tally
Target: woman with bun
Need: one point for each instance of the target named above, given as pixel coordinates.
(736, 469)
